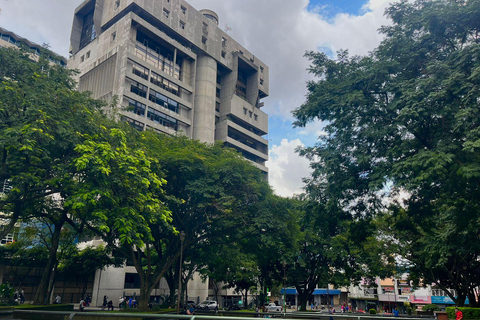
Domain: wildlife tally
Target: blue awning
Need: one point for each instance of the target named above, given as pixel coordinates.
(317, 292)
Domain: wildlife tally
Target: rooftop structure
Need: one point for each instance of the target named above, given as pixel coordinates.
(174, 70)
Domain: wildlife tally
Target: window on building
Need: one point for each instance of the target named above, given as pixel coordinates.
(224, 42)
(255, 116)
(132, 281)
(217, 94)
(261, 81)
(161, 100)
(82, 58)
(204, 40)
(137, 125)
(219, 78)
(114, 36)
(163, 119)
(88, 30)
(224, 54)
(166, 13)
(205, 28)
(250, 113)
(165, 84)
(136, 107)
(140, 71)
(138, 88)
(87, 55)
(117, 4)
(261, 69)
(245, 111)
(217, 106)
(184, 10)
(241, 87)
(182, 25)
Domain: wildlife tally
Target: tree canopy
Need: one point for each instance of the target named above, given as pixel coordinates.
(406, 118)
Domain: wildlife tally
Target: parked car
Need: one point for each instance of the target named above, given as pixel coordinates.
(190, 302)
(208, 305)
(272, 307)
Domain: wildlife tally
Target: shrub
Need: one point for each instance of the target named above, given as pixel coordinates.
(430, 307)
(468, 313)
(372, 311)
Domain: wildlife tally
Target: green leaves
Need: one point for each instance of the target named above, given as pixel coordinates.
(407, 115)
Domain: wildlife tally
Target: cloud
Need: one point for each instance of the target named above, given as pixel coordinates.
(287, 168)
(276, 31)
(280, 31)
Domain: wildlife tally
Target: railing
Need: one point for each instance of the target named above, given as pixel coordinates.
(29, 314)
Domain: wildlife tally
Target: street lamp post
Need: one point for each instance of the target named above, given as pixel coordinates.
(182, 238)
(284, 263)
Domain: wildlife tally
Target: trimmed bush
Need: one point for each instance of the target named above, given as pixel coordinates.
(468, 313)
(430, 307)
(372, 311)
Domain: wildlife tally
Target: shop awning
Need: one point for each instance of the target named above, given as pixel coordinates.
(317, 292)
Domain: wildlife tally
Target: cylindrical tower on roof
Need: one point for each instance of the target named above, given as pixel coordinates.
(210, 15)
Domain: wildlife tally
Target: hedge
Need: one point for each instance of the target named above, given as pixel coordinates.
(468, 313)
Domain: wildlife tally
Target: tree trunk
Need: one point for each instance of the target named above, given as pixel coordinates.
(42, 294)
(144, 298)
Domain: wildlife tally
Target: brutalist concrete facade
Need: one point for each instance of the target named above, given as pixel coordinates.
(174, 69)
(176, 72)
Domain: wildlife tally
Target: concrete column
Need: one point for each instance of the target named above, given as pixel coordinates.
(204, 101)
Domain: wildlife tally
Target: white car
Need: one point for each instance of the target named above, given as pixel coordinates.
(272, 307)
(208, 305)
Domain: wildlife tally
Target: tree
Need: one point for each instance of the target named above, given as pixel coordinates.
(211, 193)
(84, 263)
(406, 118)
(42, 118)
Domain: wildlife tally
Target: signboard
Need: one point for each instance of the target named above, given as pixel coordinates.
(420, 299)
(445, 300)
(406, 290)
(388, 289)
(403, 283)
(393, 298)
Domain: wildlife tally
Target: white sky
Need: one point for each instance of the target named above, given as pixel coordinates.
(277, 31)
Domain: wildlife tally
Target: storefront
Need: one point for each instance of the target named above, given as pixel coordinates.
(445, 301)
(418, 302)
(321, 297)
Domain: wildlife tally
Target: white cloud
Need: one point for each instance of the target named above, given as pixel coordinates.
(277, 31)
(287, 168)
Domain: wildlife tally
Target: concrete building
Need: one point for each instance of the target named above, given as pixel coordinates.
(174, 70)
(9, 39)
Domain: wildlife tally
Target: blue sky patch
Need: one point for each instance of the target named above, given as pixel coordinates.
(330, 8)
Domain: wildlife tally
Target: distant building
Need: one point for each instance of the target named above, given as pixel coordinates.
(175, 70)
(9, 39)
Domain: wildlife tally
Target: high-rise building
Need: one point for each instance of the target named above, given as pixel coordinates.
(174, 70)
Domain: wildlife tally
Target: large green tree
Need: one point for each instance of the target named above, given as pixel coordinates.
(407, 118)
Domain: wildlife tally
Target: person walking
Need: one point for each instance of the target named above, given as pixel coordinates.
(105, 302)
(458, 314)
(81, 305)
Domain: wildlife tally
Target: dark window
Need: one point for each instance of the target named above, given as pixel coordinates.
(166, 13)
(132, 281)
(261, 81)
(117, 4)
(205, 28)
(140, 71)
(114, 36)
(241, 88)
(184, 10)
(162, 119)
(224, 42)
(224, 54)
(136, 107)
(135, 124)
(163, 101)
(219, 78)
(88, 30)
(204, 40)
(165, 84)
(217, 94)
(138, 88)
(182, 25)
(217, 106)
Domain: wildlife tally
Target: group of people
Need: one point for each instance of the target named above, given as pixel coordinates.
(344, 308)
(124, 303)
